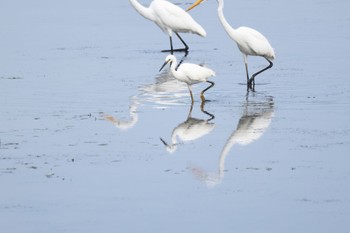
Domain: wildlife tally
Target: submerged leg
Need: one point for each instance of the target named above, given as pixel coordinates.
(207, 113)
(249, 85)
(252, 79)
(202, 93)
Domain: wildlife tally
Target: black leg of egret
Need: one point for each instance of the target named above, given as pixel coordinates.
(251, 86)
(183, 42)
(202, 93)
(171, 46)
(182, 60)
(251, 81)
(177, 50)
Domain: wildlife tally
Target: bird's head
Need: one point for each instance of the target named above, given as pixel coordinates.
(169, 58)
(170, 148)
(194, 5)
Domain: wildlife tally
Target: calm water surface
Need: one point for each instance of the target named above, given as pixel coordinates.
(94, 139)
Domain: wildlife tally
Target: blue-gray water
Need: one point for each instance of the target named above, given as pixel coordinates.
(83, 108)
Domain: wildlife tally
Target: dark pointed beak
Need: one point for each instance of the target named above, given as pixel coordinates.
(164, 142)
(166, 62)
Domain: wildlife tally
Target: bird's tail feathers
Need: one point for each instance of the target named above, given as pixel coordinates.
(272, 55)
(200, 31)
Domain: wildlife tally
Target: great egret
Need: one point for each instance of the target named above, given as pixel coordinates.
(249, 41)
(190, 74)
(170, 18)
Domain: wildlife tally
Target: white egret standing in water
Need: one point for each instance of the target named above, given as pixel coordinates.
(190, 74)
(249, 41)
(170, 18)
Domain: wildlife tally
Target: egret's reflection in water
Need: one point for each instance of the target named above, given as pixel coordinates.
(126, 124)
(165, 92)
(256, 118)
(189, 130)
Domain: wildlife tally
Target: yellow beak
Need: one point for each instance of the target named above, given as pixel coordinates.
(195, 4)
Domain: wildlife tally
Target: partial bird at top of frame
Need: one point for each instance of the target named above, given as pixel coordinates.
(171, 19)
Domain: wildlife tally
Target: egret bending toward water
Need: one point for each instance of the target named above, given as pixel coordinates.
(249, 41)
(170, 18)
(190, 74)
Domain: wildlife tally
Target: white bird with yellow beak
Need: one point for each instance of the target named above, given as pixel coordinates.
(171, 19)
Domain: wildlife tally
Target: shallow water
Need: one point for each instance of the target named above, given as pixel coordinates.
(84, 113)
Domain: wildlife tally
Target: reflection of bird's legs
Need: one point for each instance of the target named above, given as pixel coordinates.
(189, 88)
(202, 93)
(177, 50)
(190, 112)
(205, 112)
(251, 81)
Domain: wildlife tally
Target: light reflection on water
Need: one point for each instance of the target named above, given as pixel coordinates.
(126, 124)
(51, 131)
(165, 92)
(257, 114)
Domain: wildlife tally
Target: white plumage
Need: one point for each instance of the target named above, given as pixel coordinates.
(249, 41)
(170, 18)
(190, 73)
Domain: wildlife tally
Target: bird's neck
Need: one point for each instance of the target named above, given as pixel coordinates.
(146, 12)
(173, 67)
(230, 30)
